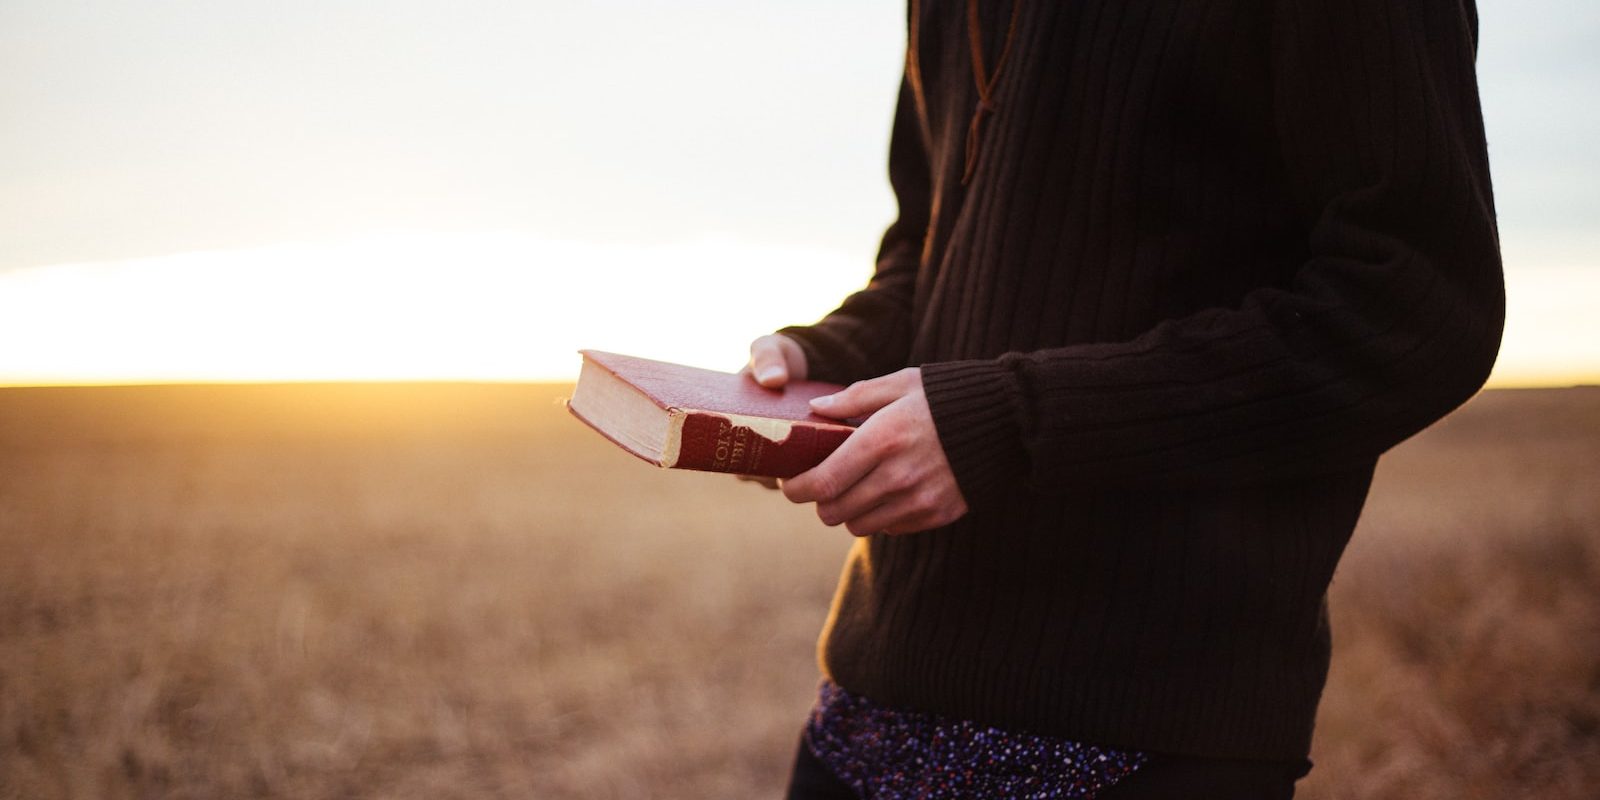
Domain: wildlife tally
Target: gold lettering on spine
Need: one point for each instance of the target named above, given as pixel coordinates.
(724, 447)
(758, 445)
(737, 449)
(741, 438)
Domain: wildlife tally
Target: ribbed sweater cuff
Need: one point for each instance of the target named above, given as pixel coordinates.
(974, 410)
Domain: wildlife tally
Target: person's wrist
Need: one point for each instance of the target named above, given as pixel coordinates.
(973, 413)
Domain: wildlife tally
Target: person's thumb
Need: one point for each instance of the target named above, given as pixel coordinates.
(861, 398)
(775, 360)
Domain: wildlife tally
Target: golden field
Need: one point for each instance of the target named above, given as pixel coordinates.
(456, 591)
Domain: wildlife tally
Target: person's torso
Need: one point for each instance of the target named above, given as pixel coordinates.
(1129, 174)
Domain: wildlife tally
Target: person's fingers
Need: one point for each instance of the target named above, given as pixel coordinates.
(793, 357)
(766, 363)
(775, 360)
(879, 519)
(864, 397)
(917, 509)
(838, 472)
(885, 481)
(899, 513)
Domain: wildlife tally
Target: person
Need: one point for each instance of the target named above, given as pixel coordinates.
(1165, 281)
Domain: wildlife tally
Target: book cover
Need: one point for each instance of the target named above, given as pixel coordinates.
(684, 417)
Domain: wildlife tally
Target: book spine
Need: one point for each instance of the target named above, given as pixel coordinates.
(712, 443)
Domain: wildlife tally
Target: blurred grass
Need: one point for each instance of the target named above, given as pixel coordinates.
(456, 591)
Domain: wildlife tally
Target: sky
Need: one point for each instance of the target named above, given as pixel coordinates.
(474, 190)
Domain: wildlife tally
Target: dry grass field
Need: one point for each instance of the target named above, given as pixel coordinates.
(457, 592)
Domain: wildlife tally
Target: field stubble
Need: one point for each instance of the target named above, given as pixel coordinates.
(456, 591)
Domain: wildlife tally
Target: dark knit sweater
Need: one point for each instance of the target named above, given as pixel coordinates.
(1216, 256)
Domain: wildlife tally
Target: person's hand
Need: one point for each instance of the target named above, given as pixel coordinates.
(891, 475)
(775, 360)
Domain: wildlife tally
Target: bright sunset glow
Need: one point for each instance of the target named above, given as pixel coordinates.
(512, 307)
(1552, 333)
(472, 307)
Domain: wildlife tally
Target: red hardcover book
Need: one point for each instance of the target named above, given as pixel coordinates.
(688, 418)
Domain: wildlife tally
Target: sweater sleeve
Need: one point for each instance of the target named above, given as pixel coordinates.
(870, 333)
(1393, 320)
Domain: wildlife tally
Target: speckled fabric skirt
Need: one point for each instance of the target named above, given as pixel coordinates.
(891, 754)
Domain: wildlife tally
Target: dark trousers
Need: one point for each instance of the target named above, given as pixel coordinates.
(812, 780)
(1162, 777)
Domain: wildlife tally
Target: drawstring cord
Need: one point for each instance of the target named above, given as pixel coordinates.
(985, 81)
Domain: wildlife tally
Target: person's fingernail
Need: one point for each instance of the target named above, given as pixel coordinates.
(823, 401)
(769, 374)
